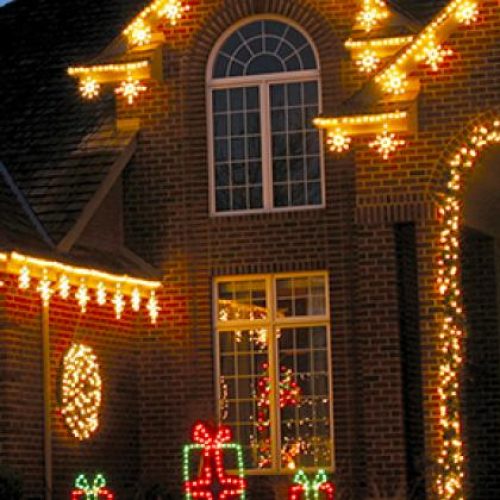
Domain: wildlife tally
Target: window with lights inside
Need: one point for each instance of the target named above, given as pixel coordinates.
(264, 92)
(273, 369)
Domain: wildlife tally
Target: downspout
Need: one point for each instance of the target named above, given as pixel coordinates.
(47, 406)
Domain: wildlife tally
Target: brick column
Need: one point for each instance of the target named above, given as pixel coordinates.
(377, 328)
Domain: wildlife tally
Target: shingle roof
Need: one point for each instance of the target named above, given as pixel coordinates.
(58, 147)
(53, 142)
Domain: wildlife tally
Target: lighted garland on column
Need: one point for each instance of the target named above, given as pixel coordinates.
(81, 388)
(451, 471)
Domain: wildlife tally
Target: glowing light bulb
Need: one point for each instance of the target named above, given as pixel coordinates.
(44, 288)
(24, 279)
(433, 55)
(135, 300)
(153, 307)
(82, 296)
(101, 294)
(118, 302)
(63, 286)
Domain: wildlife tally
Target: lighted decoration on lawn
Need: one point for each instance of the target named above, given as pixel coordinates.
(213, 482)
(386, 143)
(373, 12)
(367, 61)
(81, 389)
(96, 491)
(307, 489)
(289, 395)
(453, 330)
(89, 88)
(130, 89)
(338, 141)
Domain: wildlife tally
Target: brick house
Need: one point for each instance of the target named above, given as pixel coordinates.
(245, 194)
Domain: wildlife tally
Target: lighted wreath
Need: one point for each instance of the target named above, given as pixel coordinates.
(81, 391)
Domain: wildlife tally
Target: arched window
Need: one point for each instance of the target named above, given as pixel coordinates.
(265, 153)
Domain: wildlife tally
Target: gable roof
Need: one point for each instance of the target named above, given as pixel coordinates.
(57, 147)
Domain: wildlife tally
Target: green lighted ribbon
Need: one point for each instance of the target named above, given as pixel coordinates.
(91, 491)
(311, 486)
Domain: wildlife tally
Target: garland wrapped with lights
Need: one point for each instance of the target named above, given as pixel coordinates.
(307, 489)
(451, 472)
(96, 491)
(81, 391)
(213, 482)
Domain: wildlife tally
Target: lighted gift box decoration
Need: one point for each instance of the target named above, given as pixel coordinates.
(96, 491)
(311, 489)
(213, 482)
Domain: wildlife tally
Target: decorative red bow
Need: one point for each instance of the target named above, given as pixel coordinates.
(213, 482)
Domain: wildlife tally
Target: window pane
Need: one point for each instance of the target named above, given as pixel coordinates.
(306, 439)
(296, 142)
(301, 296)
(242, 300)
(262, 47)
(244, 393)
(237, 149)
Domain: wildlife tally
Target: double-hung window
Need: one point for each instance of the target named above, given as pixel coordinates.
(274, 369)
(265, 153)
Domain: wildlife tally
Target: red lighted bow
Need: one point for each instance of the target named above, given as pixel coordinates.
(213, 483)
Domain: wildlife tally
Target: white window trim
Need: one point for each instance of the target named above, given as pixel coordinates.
(264, 82)
(272, 323)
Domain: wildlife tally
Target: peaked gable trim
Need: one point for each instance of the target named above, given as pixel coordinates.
(95, 202)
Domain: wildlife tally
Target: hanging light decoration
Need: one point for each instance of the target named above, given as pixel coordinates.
(44, 288)
(81, 391)
(139, 33)
(82, 296)
(63, 286)
(153, 307)
(338, 141)
(135, 300)
(373, 12)
(118, 302)
(368, 61)
(24, 279)
(467, 12)
(101, 294)
(89, 88)
(172, 10)
(386, 143)
(130, 89)
(433, 54)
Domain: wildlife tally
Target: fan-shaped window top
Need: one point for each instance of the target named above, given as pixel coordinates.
(264, 46)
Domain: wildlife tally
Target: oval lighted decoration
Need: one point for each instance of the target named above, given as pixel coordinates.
(81, 391)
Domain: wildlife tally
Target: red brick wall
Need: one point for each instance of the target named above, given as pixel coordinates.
(114, 448)
(166, 193)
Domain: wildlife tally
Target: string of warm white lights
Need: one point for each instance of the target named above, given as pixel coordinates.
(453, 331)
(50, 278)
(426, 47)
(81, 387)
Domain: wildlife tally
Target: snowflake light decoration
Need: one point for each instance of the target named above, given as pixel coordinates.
(63, 286)
(434, 54)
(467, 13)
(82, 296)
(338, 141)
(24, 278)
(395, 82)
(45, 289)
(386, 143)
(89, 88)
(373, 12)
(172, 10)
(101, 294)
(153, 308)
(368, 61)
(139, 33)
(130, 89)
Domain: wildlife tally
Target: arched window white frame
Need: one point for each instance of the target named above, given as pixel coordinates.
(263, 92)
